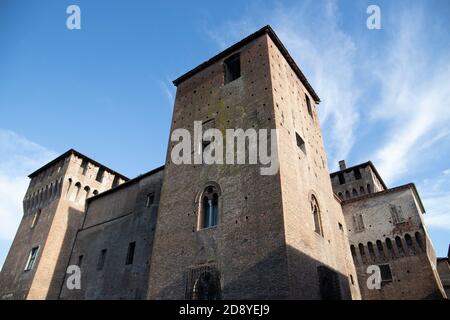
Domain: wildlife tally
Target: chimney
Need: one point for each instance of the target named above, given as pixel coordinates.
(342, 165)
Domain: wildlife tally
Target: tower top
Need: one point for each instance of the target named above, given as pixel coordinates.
(264, 30)
(78, 154)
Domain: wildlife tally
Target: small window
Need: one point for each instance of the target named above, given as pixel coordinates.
(232, 68)
(100, 173)
(130, 253)
(386, 275)
(150, 199)
(101, 260)
(340, 226)
(32, 259)
(316, 216)
(84, 166)
(357, 173)
(341, 178)
(209, 214)
(36, 217)
(308, 105)
(300, 142)
(80, 260)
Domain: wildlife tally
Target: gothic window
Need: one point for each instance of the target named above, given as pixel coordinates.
(315, 210)
(209, 212)
(354, 193)
(203, 283)
(232, 68)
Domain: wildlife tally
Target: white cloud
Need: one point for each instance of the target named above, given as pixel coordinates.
(415, 95)
(325, 53)
(436, 199)
(20, 157)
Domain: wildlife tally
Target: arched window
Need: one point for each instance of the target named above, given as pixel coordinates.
(95, 192)
(389, 247)
(315, 210)
(87, 192)
(77, 192)
(354, 193)
(369, 190)
(353, 250)
(399, 244)
(347, 194)
(361, 251)
(361, 190)
(380, 248)
(209, 213)
(371, 251)
(409, 243)
(419, 240)
(205, 288)
(340, 196)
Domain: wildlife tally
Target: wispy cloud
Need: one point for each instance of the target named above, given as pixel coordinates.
(436, 198)
(20, 157)
(415, 95)
(324, 52)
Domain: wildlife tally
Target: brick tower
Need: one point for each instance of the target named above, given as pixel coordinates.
(226, 231)
(54, 206)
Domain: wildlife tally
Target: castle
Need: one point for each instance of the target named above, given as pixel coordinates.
(209, 231)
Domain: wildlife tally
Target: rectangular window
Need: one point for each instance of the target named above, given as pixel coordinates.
(100, 173)
(396, 213)
(308, 105)
(386, 275)
(357, 173)
(130, 254)
(150, 199)
(358, 222)
(32, 259)
(84, 166)
(80, 260)
(101, 260)
(341, 178)
(300, 142)
(232, 68)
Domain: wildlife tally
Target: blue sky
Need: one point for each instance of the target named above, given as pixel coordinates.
(106, 89)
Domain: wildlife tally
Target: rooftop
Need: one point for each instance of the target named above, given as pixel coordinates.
(264, 30)
(78, 154)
